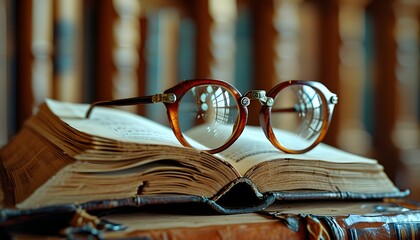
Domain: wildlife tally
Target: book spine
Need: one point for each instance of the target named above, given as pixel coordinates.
(42, 49)
(68, 51)
(162, 51)
(402, 225)
(387, 231)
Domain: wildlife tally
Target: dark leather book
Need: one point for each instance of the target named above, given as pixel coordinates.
(389, 219)
(187, 219)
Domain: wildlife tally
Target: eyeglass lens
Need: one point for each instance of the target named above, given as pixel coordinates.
(208, 113)
(297, 116)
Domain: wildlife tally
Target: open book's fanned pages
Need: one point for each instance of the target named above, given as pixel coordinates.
(115, 158)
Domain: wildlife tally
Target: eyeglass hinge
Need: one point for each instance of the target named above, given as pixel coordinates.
(165, 97)
(334, 99)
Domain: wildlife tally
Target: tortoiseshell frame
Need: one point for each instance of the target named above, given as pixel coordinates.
(171, 98)
(328, 98)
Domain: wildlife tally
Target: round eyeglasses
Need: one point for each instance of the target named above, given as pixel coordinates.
(294, 116)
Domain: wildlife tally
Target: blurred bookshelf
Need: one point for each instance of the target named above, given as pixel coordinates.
(367, 51)
(4, 84)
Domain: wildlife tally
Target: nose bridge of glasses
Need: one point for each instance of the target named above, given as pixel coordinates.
(259, 95)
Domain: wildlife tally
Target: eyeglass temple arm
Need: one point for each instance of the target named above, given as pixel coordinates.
(284, 110)
(298, 108)
(295, 108)
(166, 97)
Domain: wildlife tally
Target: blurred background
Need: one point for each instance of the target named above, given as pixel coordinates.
(366, 51)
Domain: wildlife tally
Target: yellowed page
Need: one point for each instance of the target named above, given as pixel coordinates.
(253, 147)
(113, 124)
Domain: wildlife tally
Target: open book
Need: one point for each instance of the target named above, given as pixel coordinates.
(61, 157)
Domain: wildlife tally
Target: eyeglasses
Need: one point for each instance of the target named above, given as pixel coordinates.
(294, 116)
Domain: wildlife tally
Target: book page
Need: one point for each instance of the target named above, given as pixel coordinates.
(253, 147)
(28, 161)
(113, 124)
